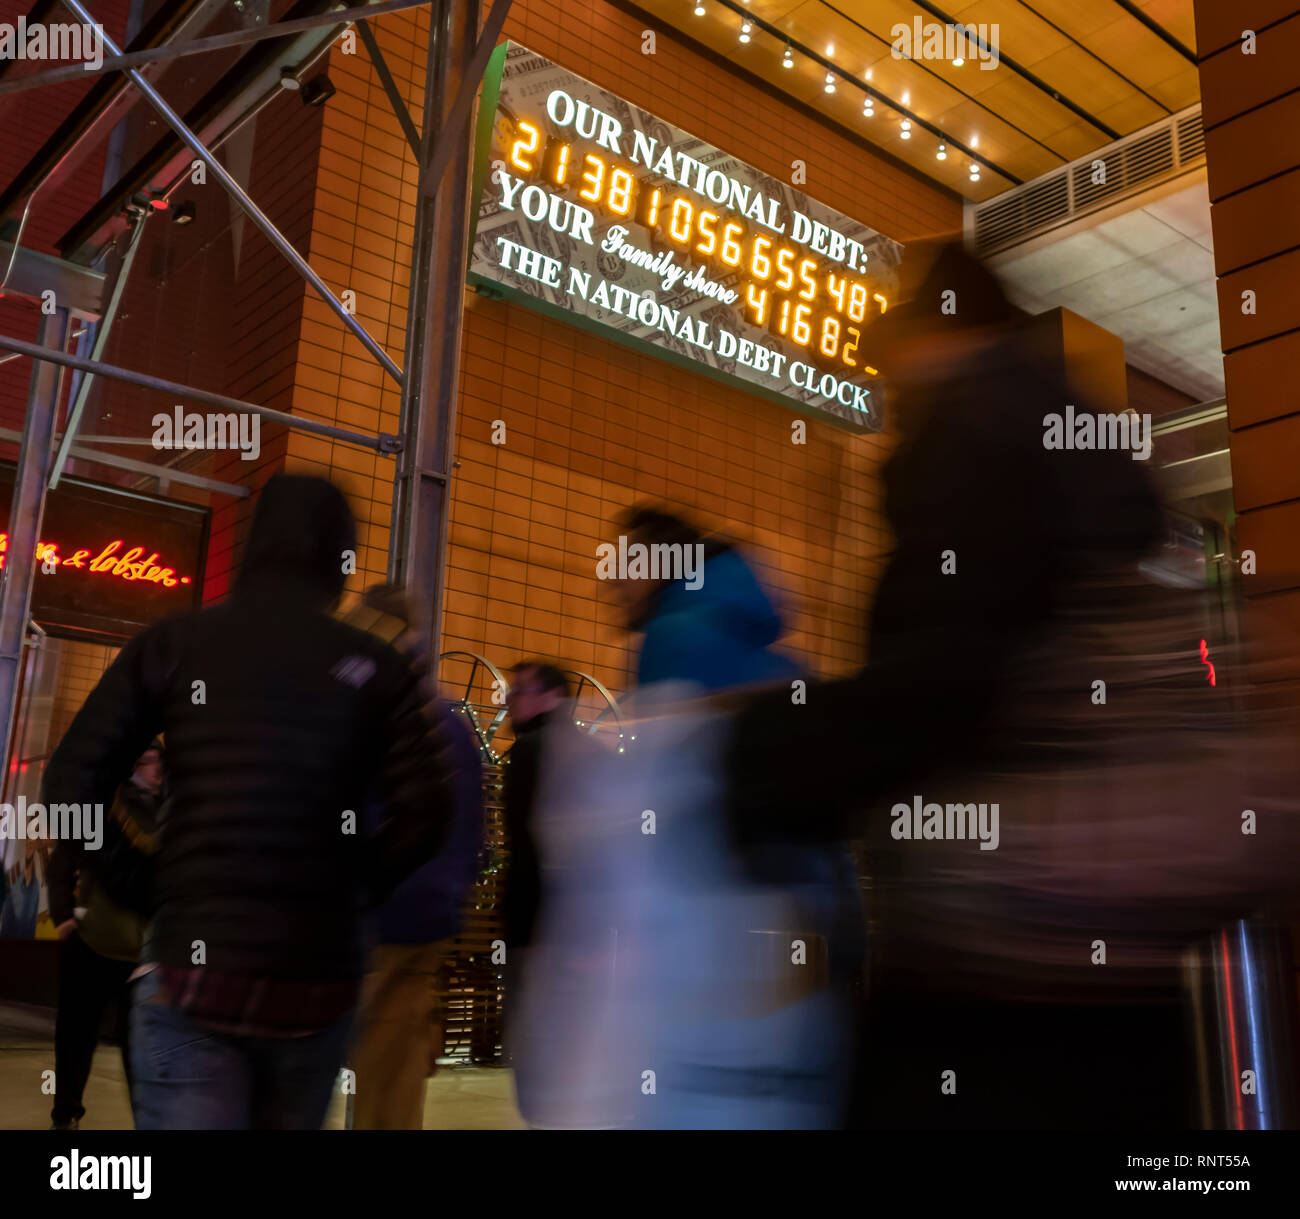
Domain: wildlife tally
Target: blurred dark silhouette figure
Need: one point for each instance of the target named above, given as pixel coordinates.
(551, 757)
(397, 1043)
(1012, 586)
(279, 721)
(100, 940)
(538, 702)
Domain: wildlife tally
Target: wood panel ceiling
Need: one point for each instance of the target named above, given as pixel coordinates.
(1072, 75)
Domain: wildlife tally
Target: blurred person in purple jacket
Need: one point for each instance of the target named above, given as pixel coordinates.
(397, 1044)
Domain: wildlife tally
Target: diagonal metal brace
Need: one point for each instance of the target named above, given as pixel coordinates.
(254, 213)
(200, 46)
(380, 65)
(96, 353)
(383, 443)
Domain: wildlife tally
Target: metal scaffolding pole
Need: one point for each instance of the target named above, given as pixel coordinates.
(383, 443)
(25, 512)
(418, 536)
(254, 213)
(380, 65)
(82, 391)
(200, 46)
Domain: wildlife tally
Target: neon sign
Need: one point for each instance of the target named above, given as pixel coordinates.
(129, 566)
(602, 212)
(109, 561)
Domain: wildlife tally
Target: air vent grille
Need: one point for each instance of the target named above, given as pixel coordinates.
(1127, 167)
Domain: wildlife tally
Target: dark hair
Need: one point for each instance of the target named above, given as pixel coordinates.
(947, 266)
(548, 676)
(659, 525)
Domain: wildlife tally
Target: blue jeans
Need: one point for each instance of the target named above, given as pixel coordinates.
(189, 1077)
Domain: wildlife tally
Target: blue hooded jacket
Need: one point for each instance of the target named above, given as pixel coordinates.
(719, 635)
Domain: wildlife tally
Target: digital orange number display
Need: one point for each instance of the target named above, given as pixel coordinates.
(781, 289)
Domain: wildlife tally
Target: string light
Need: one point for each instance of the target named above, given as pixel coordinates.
(868, 102)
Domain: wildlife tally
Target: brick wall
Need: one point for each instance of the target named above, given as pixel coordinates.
(81, 665)
(1251, 109)
(591, 426)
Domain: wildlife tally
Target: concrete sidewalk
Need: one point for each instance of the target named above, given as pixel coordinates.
(457, 1098)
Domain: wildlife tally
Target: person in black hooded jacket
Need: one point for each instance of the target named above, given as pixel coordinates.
(279, 719)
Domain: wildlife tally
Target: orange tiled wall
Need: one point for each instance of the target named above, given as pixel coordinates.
(590, 425)
(81, 665)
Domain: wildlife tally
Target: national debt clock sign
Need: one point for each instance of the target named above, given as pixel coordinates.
(593, 210)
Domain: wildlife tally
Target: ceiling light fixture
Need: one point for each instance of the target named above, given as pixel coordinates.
(942, 153)
(830, 82)
(744, 32)
(788, 61)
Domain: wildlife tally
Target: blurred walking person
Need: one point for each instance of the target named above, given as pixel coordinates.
(751, 972)
(1030, 977)
(279, 721)
(550, 760)
(397, 1045)
(100, 939)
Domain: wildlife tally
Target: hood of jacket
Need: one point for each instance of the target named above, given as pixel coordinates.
(301, 528)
